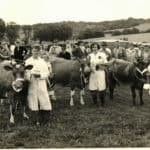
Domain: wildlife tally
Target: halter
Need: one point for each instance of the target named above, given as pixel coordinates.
(135, 74)
(13, 85)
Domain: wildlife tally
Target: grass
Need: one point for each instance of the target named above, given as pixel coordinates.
(118, 124)
(141, 37)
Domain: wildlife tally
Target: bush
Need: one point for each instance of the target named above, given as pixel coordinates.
(12, 32)
(50, 32)
(2, 29)
(90, 33)
(115, 33)
(130, 31)
(147, 31)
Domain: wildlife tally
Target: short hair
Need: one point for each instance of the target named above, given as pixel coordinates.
(92, 45)
(37, 47)
(79, 42)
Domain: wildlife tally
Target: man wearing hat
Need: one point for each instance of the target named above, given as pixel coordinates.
(19, 52)
(79, 52)
(38, 97)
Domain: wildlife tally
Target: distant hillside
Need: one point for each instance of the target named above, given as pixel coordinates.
(105, 26)
(143, 26)
(109, 25)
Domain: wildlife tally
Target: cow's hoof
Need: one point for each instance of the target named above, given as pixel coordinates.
(82, 103)
(37, 124)
(25, 116)
(53, 98)
(12, 121)
(71, 104)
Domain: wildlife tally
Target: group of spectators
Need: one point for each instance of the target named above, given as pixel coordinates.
(80, 49)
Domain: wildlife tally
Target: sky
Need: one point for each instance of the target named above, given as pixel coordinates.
(46, 11)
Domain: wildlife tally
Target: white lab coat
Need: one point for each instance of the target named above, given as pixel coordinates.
(38, 93)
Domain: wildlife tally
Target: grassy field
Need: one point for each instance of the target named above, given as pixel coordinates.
(142, 37)
(118, 124)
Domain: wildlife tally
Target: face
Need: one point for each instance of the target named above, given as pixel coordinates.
(17, 44)
(35, 53)
(94, 48)
(18, 71)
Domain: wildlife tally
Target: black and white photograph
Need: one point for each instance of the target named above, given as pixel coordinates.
(74, 74)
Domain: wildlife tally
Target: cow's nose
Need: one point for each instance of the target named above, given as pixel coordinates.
(17, 85)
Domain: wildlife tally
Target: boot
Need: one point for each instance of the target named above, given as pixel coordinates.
(94, 97)
(45, 117)
(102, 97)
(35, 118)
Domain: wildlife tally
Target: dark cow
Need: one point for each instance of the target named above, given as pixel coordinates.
(13, 83)
(127, 73)
(70, 73)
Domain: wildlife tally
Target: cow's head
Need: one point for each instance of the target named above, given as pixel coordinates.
(141, 68)
(18, 71)
(85, 69)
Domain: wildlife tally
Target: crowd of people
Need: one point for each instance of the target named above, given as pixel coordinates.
(40, 56)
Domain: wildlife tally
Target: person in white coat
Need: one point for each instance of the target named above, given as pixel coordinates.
(97, 79)
(38, 97)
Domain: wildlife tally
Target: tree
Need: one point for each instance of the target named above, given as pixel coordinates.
(130, 31)
(116, 32)
(12, 32)
(50, 32)
(2, 29)
(27, 30)
(90, 33)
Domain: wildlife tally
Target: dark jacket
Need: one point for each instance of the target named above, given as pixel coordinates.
(19, 53)
(65, 55)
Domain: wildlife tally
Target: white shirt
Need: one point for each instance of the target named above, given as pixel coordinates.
(97, 59)
(39, 66)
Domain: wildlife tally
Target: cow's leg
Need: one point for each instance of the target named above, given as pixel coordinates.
(24, 113)
(52, 95)
(111, 93)
(82, 93)
(141, 96)
(112, 84)
(12, 120)
(72, 93)
(133, 94)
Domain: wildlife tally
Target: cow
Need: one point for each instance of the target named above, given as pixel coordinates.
(124, 72)
(13, 83)
(70, 73)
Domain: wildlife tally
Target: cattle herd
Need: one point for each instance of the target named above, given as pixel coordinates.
(128, 63)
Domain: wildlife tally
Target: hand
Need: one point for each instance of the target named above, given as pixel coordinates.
(51, 75)
(36, 75)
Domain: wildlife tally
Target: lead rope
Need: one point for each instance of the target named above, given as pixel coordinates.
(82, 77)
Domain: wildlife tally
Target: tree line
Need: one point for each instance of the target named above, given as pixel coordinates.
(41, 32)
(67, 30)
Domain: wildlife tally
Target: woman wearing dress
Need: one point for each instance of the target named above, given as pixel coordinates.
(97, 79)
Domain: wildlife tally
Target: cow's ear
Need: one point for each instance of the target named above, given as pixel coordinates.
(8, 67)
(28, 67)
